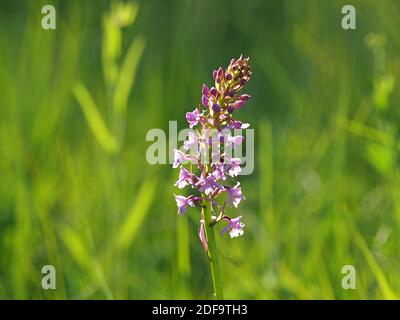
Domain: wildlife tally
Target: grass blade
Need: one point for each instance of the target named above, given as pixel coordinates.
(136, 215)
(94, 119)
(387, 291)
(127, 75)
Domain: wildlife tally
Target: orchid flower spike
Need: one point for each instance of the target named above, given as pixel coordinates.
(208, 180)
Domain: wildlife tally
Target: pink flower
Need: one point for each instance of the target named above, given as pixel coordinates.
(219, 172)
(191, 141)
(182, 202)
(179, 157)
(185, 178)
(193, 117)
(235, 140)
(236, 124)
(235, 226)
(208, 184)
(235, 195)
(234, 167)
(214, 121)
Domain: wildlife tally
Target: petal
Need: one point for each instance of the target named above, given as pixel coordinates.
(236, 233)
(204, 100)
(205, 91)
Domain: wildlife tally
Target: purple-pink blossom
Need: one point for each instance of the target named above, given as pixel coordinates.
(235, 195)
(179, 157)
(235, 227)
(235, 140)
(191, 141)
(208, 184)
(219, 172)
(213, 184)
(185, 178)
(193, 117)
(234, 167)
(182, 202)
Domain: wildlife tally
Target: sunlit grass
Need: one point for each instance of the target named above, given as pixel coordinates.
(76, 190)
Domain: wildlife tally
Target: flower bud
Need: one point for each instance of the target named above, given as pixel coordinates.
(204, 100)
(204, 90)
(238, 104)
(231, 93)
(215, 74)
(236, 124)
(214, 92)
(220, 74)
(216, 108)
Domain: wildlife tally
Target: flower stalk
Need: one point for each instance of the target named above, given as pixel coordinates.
(212, 254)
(206, 162)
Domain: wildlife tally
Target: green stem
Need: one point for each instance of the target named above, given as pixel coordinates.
(213, 254)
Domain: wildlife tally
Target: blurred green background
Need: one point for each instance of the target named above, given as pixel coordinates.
(76, 191)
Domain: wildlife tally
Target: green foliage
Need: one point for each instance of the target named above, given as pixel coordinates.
(76, 190)
(94, 119)
(137, 214)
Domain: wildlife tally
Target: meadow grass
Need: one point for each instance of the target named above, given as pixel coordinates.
(76, 191)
